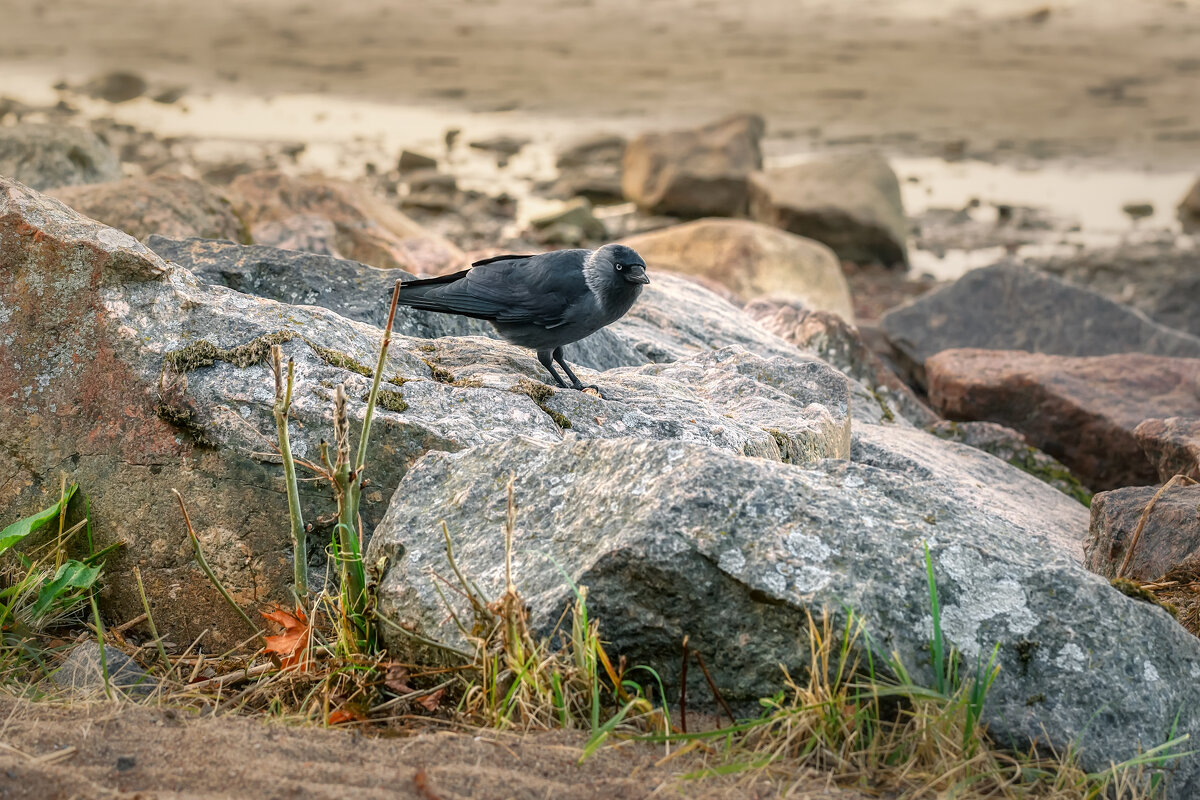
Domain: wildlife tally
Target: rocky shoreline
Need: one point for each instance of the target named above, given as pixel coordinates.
(756, 455)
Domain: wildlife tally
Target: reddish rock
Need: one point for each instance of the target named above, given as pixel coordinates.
(169, 205)
(1080, 410)
(1169, 542)
(1172, 445)
(338, 219)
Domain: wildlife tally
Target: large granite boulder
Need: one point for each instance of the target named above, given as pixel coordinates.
(1082, 411)
(701, 172)
(751, 261)
(45, 156)
(339, 219)
(849, 202)
(136, 377)
(352, 290)
(170, 205)
(674, 539)
(1007, 307)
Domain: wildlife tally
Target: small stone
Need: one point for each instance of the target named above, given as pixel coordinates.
(82, 673)
(412, 162)
(1170, 540)
(116, 87)
(1172, 445)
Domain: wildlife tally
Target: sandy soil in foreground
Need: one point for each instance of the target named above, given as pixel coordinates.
(1002, 80)
(103, 751)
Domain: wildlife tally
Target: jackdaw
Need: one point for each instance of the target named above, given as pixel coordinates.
(542, 301)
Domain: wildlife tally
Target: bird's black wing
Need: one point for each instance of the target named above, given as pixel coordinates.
(537, 290)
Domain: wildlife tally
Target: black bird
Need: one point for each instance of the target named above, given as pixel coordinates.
(542, 302)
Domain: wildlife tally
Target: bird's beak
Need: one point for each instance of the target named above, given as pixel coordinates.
(637, 274)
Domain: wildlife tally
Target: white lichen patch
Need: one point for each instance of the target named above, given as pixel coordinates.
(1149, 672)
(985, 593)
(1070, 658)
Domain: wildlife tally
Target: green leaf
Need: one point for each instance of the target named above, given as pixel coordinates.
(72, 575)
(22, 528)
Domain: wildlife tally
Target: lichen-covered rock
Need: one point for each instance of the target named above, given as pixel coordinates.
(1007, 307)
(839, 342)
(1082, 411)
(849, 202)
(701, 172)
(352, 290)
(45, 156)
(337, 219)
(751, 260)
(1172, 445)
(1170, 539)
(675, 540)
(1012, 447)
(136, 377)
(169, 205)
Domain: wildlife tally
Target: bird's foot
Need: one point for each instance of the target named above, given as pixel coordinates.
(591, 389)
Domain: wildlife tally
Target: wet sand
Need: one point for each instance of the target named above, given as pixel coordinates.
(1007, 80)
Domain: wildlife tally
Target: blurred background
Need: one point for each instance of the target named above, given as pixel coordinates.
(1014, 129)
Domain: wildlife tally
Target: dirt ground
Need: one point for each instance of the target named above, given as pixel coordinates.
(52, 752)
(1002, 80)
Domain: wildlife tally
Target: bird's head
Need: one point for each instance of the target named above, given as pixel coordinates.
(624, 263)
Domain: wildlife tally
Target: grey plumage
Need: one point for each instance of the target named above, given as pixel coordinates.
(542, 301)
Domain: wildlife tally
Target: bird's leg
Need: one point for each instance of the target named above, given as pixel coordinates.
(547, 360)
(575, 382)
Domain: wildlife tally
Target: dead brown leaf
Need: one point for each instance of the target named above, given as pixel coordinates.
(291, 646)
(431, 701)
(397, 679)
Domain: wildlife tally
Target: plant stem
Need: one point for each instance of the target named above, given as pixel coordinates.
(283, 404)
(198, 554)
(137, 574)
(100, 640)
(361, 459)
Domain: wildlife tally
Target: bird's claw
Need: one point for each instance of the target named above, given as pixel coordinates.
(591, 389)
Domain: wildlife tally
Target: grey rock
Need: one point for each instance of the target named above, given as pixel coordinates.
(82, 673)
(45, 156)
(145, 378)
(673, 539)
(350, 289)
(700, 172)
(675, 318)
(1007, 307)
(850, 203)
(1155, 277)
(1012, 447)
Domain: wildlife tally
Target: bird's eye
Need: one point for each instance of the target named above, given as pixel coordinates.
(620, 267)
